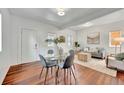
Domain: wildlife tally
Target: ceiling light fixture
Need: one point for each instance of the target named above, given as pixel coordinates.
(60, 11)
(88, 24)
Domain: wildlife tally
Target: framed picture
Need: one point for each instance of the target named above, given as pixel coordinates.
(93, 38)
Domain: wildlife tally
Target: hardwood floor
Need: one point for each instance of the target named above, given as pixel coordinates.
(28, 74)
(120, 75)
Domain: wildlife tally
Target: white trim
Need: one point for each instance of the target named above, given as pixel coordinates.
(19, 49)
(0, 32)
(3, 73)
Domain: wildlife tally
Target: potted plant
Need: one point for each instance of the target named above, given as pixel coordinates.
(77, 45)
(60, 39)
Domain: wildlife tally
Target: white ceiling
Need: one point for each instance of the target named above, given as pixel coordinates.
(114, 17)
(73, 16)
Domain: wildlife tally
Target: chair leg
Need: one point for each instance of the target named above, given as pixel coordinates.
(51, 70)
(73, 66)
(57, 76)
(47, 69)
(67, 75)
(73, 74)
(55, 66)
(41, 72)
(70, 76)
(64, 76)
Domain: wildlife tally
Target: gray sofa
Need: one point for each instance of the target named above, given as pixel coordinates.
(100, 53)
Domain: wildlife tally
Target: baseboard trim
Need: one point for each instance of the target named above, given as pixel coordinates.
(3, 72)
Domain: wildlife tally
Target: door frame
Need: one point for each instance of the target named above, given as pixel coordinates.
(19, 40)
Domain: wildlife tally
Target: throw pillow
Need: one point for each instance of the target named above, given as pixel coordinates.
(120, 56)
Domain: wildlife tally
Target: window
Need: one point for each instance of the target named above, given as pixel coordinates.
(0, 32)
(69, 40)
(51, 37)
(112, 36)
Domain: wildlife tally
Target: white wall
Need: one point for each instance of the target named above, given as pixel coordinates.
(0, 32)
(104, 35)
(19, 23)
(4, 55)
(11, 33)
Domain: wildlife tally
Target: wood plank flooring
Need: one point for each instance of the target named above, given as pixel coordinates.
(28, 74)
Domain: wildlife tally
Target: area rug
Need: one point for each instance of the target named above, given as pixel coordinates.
(98, 65)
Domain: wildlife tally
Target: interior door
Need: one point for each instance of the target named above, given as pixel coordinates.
(28, 45)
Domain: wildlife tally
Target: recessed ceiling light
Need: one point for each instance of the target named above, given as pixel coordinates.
(88, 24)
(59, 11)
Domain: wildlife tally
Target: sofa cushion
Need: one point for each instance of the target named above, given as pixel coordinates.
(96, 50)
(120, 56)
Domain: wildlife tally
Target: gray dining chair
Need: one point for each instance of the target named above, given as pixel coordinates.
(66, 65)
(47, 65)
(71, 52)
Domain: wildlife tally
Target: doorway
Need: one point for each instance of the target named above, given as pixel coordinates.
(28, 45)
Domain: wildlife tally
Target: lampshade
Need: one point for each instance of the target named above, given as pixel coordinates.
(120, 39)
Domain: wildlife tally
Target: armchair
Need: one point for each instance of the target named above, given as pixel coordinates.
(112, 62)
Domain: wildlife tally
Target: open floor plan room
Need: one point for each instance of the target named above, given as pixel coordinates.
(61, 46)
